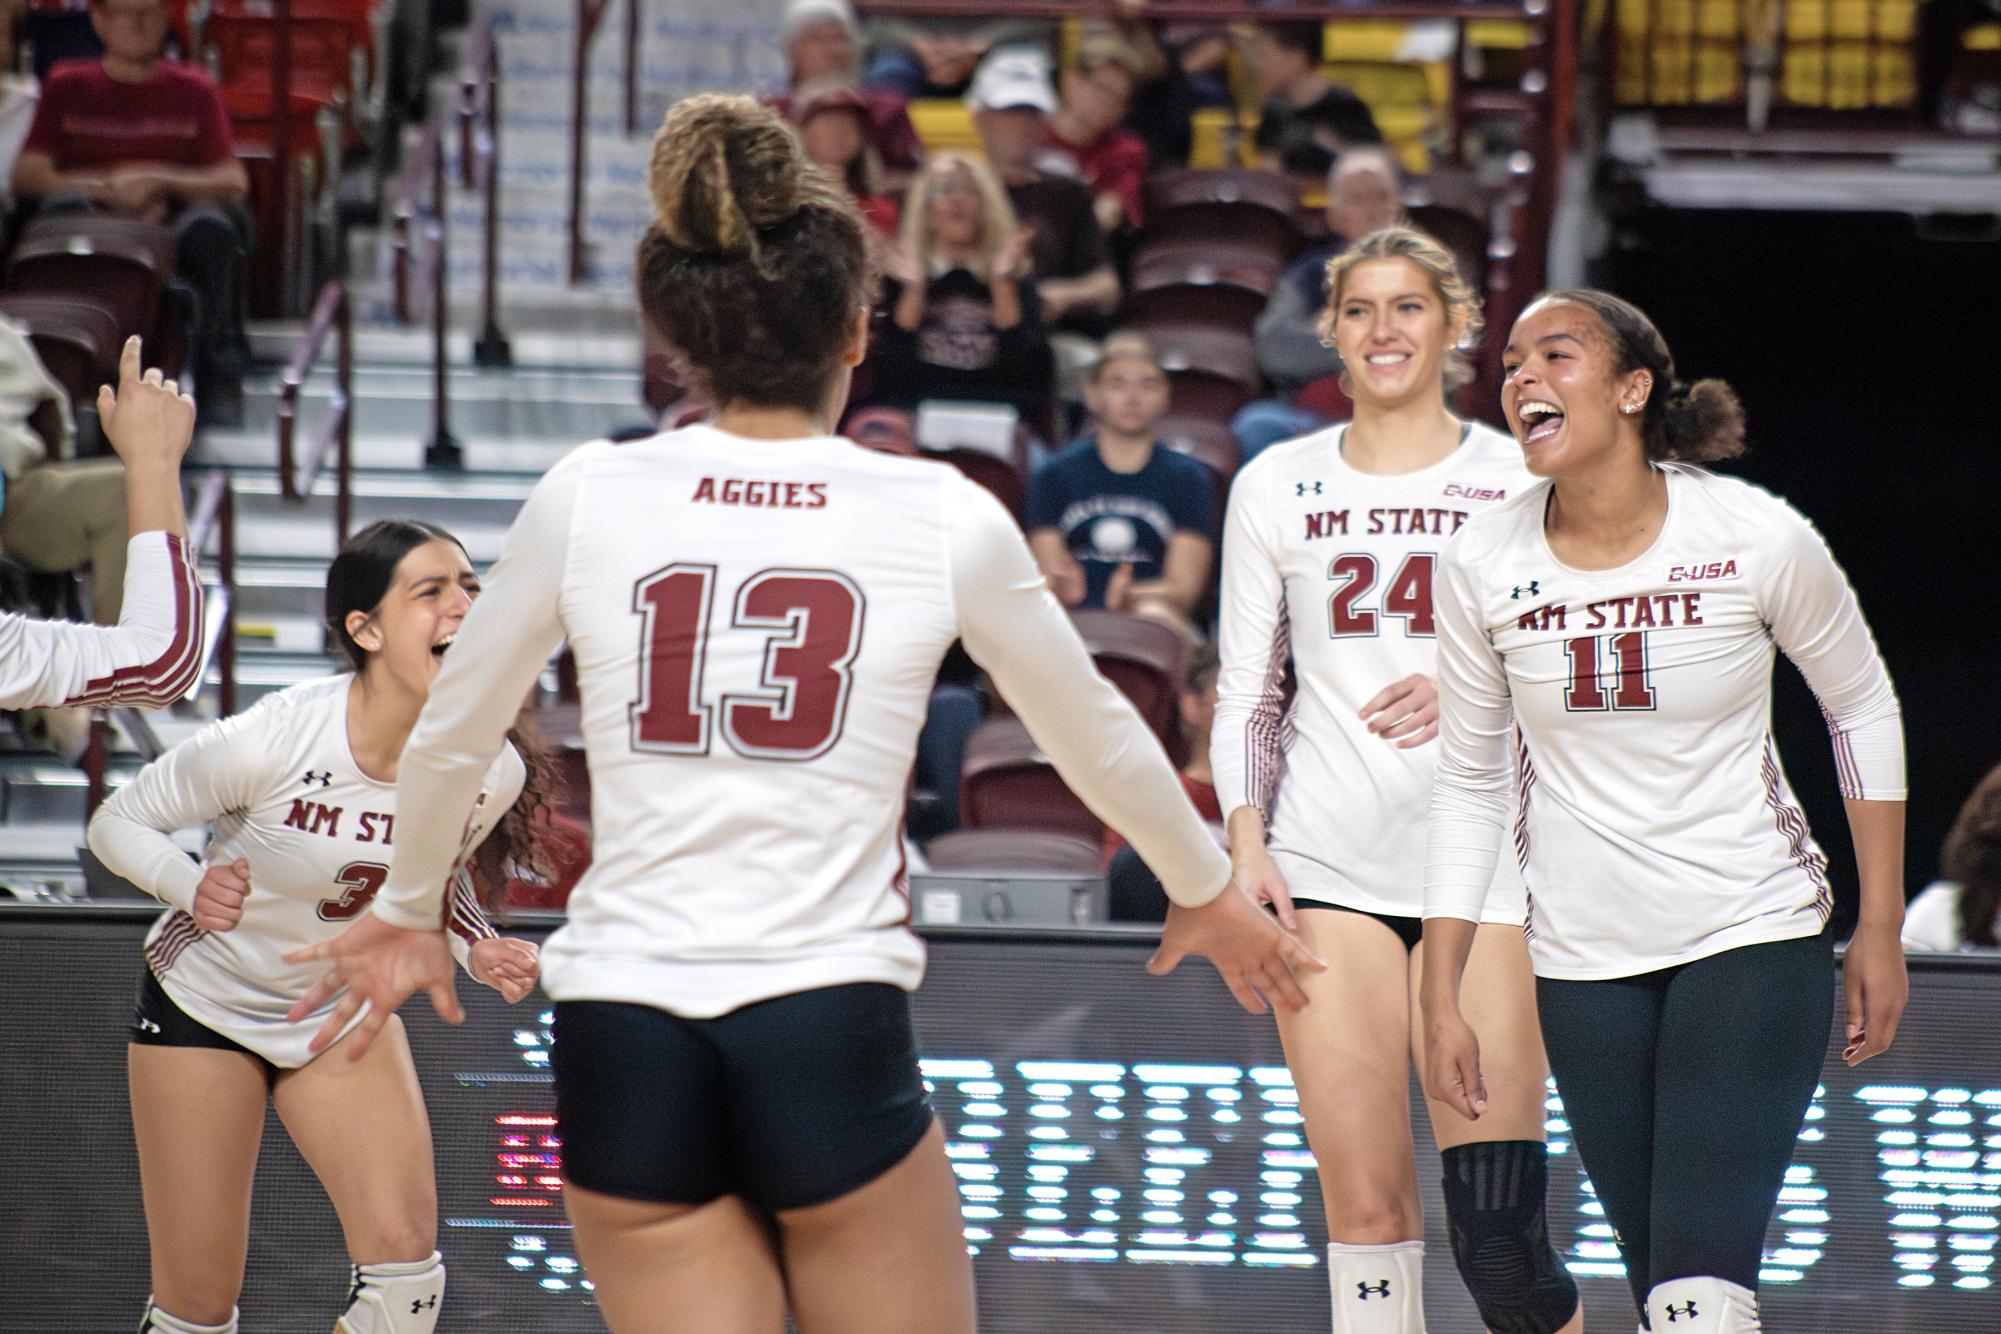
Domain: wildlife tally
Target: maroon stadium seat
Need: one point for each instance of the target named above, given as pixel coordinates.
(1013, 851)
(1144, 658)
(997, 475)
(120, 263)
(1268, 190)
(77, 339)
(1211, 371)
(1008, 783)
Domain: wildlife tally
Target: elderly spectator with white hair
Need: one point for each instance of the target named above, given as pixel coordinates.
(1364, 193)
(823, 48)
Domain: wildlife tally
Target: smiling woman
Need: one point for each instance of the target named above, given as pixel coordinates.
(1608, 637)
(300, 792)
(1345, 801)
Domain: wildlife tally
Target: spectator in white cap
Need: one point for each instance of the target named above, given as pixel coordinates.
(1012, 98)
(822, 45)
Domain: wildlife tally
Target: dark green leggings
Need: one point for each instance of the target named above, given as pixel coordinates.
(1685, 1090)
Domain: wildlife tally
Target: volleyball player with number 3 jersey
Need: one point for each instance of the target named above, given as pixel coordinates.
(758, 611)
(1623, 615)
(300, 791)
(1329, 560)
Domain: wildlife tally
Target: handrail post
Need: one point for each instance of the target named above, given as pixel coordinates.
(444, 450)
(491, 349)
(281, 114)
(344, 405)
(225, 562)
(288, 415)
(587, 19)
(632, 29)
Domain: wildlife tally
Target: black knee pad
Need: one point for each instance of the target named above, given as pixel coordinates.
(1500, 1236)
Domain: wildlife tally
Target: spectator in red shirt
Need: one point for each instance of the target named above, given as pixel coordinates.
(833, 127)
(136, 135)
(1086, 137)
(823, 45)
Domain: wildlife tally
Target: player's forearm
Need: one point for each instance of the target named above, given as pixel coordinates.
(153, 498)
(1448, 943)
(1878, 831)
(225, 182)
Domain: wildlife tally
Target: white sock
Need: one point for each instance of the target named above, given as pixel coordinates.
(1377, 1289)
(1702, 1306)
(160, 1321)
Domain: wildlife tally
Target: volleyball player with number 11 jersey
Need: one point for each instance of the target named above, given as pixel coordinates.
(758, 610)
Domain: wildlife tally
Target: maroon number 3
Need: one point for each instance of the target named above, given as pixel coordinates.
(813, 623)
(1630, 690)
(362, 880)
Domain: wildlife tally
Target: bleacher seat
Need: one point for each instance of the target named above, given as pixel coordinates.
(1008, 783)
(77, 339)
(121, 264)
(1013, 852)
(1207, 280)
(1144, 658)
(1206, 440)
(997, 475)
(1211, 371)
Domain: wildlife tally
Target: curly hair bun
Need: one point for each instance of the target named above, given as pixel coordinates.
(1703, 422)
(725, 168)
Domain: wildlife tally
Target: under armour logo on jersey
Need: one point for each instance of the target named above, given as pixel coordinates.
(1675, 1313)
(1534, 588)
(147, 1025)
(1364, 1291)
(1299, 488)
(324, 777)
(429, 1303)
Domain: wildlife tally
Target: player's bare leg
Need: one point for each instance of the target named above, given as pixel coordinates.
(889, 1258)
(1350, 1059)
(678, 1268)
(198, 1116)
(1497, 996)
(361, 1126)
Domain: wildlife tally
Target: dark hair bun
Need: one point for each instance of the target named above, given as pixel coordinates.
(724, 169)
(1702, 422)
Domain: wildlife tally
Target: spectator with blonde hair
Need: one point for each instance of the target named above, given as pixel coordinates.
(963, 320)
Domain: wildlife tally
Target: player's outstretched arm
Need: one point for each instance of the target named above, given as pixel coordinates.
(1013, 627)
(151, 656)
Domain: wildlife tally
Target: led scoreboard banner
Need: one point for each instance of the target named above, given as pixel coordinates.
(1129, 1152)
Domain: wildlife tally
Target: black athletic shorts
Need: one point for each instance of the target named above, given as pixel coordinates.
(787, 1102)
(1409, 930)
(158, 1022)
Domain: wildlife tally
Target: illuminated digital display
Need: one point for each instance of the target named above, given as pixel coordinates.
(1129, 1154)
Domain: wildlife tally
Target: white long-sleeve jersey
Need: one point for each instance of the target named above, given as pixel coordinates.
(148, 659)
(757, 626)
(1656, 825)
(1336, 566)
(281, 788)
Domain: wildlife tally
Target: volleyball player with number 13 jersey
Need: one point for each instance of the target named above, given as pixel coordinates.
(758, 610)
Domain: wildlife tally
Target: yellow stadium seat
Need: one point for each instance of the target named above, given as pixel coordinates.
(1850, 20)
(1644, 20)
(1683, 75)
(944, 125)
(1986, 37)
(1210, 129)
(1849, 76)
(1364, 39)
(1499, 34)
